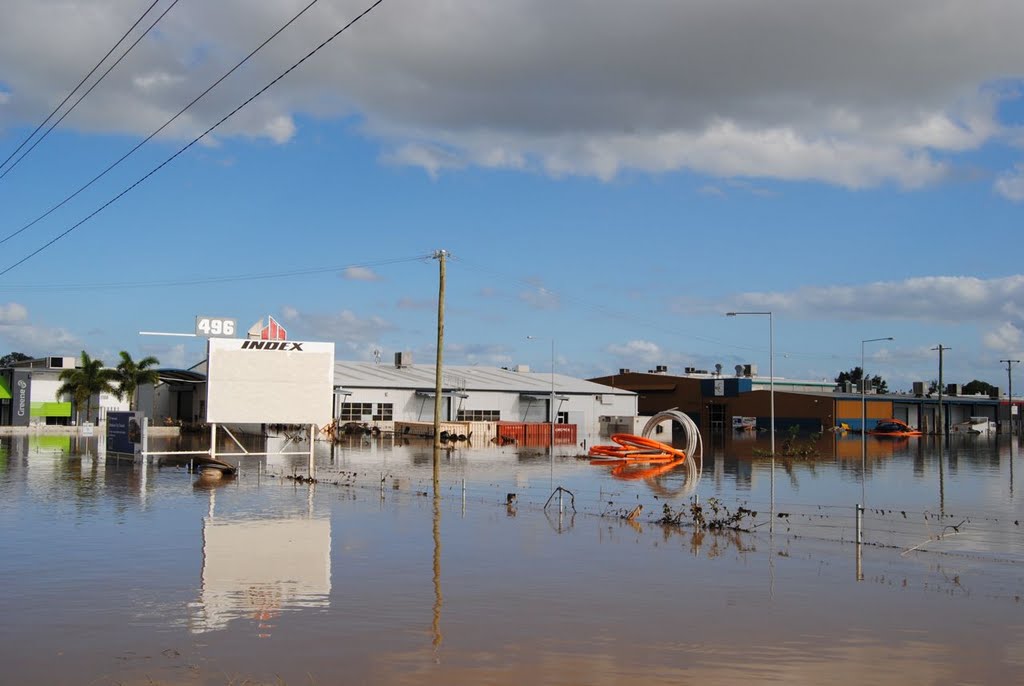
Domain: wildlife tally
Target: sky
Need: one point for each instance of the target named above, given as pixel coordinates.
(606, 178)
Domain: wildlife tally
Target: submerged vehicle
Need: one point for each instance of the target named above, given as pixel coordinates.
(975, 425)
(893, 427)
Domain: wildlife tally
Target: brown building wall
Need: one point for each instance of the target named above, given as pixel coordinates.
(658, 392)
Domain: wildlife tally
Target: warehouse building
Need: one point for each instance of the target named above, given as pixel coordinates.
(719, 403)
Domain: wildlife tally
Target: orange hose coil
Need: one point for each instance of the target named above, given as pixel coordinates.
(636, 450)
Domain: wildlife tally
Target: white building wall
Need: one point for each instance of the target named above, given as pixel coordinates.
(44, 389)
(408, 406)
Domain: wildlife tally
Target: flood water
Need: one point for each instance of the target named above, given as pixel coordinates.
(122, 573)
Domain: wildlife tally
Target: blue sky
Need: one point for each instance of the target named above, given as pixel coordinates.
(614, 178)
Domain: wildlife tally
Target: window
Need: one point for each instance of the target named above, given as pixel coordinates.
(385, 412)
(563, 418)
(353, 412)
(479, 416)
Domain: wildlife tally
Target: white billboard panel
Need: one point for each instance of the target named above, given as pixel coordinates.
(273, 382)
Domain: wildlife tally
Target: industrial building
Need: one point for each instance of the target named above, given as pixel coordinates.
(718, 402)
(28, 395)
(379, 395)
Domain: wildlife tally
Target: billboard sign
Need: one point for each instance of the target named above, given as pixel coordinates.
(21, 397)
(269, 381)
(124, 432)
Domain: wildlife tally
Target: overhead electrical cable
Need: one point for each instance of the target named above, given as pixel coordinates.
(192, 142)
(90, 89)
(202, 281)
(75, 89)
(167, 123)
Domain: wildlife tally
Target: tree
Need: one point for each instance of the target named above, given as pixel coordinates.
(975, 386)
(89, 378)
(7, 359)
(131, 374)
(854, 376)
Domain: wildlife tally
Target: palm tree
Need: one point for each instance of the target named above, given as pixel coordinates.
(131, 374)
(89, 378)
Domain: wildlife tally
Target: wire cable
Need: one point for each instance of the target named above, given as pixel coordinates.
(90, 89)
(167, 123)
(199, 281)
(73, 90)
(191, 143)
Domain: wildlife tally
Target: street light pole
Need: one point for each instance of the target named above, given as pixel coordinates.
(771, 399)
(1009, 378)
(551, 403)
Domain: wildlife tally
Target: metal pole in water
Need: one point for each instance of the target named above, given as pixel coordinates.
(559, 501)
(860, 524)
(463, 495)
(311, 467)
(382, 485)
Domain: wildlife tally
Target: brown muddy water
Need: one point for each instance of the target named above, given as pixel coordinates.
(120, 573)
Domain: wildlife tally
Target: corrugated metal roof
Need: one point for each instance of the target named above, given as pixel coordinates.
(470, 378)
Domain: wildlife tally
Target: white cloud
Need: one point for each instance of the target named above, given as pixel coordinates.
(416, 304)
(1010, 184)
(431, 158)
(1006, 337)
(646, 352)
(854, 94)
(539, 297)
(928, 298)
(360, 274)
(493, 355)
(12, 313)
(344, 327)
(280, 129)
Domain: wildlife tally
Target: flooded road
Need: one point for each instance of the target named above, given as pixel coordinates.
(115, 573)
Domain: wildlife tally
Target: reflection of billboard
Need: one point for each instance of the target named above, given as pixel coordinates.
(259, 568)
(744, 423)
(282, 382)
(124, 432)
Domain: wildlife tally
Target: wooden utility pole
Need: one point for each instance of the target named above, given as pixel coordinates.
(942, 416)
(440, 256)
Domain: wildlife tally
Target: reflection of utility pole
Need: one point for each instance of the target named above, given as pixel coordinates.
(942, 417)
(1009, 378)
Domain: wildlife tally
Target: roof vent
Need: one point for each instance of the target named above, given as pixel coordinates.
(403, 359)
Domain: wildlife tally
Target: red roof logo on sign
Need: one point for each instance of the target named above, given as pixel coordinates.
(271, 332)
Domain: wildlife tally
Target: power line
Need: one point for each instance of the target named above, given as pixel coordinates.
(199, 281)
(167, 123)
(191, 143)
(86, 93)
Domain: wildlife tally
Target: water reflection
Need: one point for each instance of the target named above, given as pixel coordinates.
(257, 568)
(100, 560)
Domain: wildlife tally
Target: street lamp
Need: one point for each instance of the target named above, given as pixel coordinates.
(1009, 378)
(864, 413)
(771, 396)
(551, 409)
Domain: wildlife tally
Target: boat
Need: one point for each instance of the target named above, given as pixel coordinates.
(975, 425)
(893, 427)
